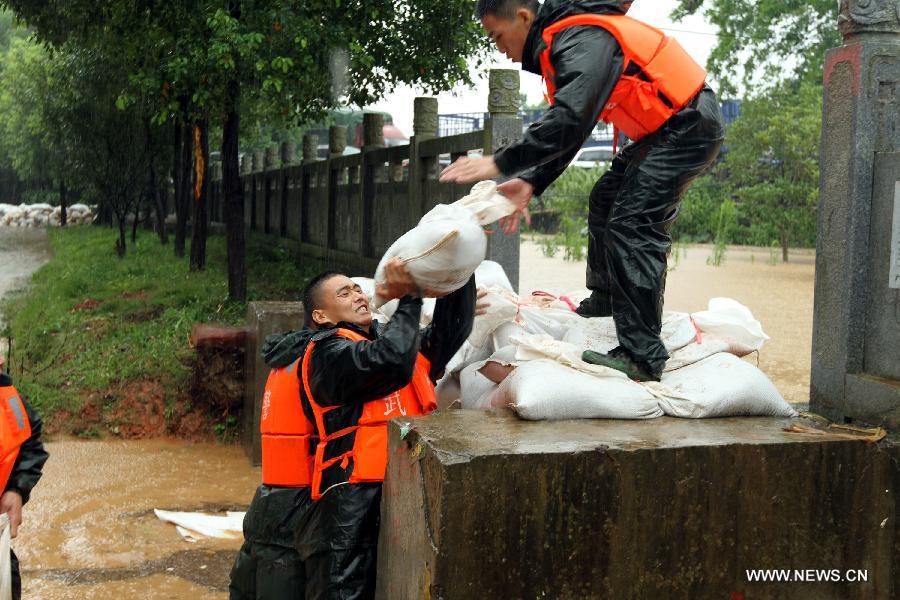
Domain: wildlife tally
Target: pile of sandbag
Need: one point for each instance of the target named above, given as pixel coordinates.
(525, 354)
(43, 215)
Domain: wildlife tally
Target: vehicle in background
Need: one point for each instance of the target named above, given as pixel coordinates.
(592, 156)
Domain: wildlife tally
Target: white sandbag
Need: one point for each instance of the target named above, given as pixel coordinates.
(697, 351)
(545, 389)
(502, 308)
(490, 274)
(468, 354)
(444, 249)
(386, 311)
(722, 385)
(475, 388)
(731, 321)
(5, 558)
(536, 346)
(447, 390)
(554, 322)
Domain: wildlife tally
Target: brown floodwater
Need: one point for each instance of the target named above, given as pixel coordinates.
(89, 530)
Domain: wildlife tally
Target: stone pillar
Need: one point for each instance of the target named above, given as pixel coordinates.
(310, 146)
(263, 319)
(258, 161)
(288, 154)
(337, 140)
(425, 124)
(246, 164)
(502, 128)
(856, 331)
(371, 174)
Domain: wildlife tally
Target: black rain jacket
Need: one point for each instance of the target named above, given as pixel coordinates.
(588, 63)
(27, 469)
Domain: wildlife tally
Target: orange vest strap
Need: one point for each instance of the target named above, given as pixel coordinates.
(369, 451)
(15, 429)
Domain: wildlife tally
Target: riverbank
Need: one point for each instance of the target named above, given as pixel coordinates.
(100, 344)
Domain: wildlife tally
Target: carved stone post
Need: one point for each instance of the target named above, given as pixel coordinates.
(373, 139)
(856, 323)
(337, 142)
(288, 159)
(310, 148)
(310, 145)
(271, 216)
(425, 122)
(503, 127)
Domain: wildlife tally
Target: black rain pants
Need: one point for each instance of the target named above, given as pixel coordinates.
(267, 566)
(631, 212)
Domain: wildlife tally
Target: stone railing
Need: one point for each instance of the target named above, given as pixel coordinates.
(346, 210)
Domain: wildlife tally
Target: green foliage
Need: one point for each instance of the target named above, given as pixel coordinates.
(90, 322)
(761, 41)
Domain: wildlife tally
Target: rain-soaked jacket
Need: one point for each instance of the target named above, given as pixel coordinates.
(26, 471)
(344, 523)
(634, 204)
(588, 62)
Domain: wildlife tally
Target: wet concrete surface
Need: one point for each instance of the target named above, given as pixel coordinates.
(779, 294)
(89, 530)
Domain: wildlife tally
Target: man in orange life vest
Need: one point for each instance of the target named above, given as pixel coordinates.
(23, 457)
(333, 387)
(600, 64)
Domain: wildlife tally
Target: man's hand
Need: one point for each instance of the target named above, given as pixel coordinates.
(397, 281)
(520, 193)
(481, 305)
(470, 170)
(11, 504)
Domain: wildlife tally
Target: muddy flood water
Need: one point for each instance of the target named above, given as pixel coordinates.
(90, 532)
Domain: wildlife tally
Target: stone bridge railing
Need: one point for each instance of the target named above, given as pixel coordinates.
(346, 210)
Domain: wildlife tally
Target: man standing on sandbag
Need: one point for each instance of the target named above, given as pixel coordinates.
(599, 64)
(23, 457)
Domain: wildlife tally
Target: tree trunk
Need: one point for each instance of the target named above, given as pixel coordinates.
(200, 209)
(160, 205)
(784, 245)
(120, 243)
(176, 178)
(233, 193)
(137, 219)
(63, 202)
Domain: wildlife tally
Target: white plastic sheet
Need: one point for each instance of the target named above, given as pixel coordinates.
(191, 524)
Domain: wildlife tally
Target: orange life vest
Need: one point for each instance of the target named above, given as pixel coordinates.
(15, 429)
(286, 432)
(369, 451)
(635, 106)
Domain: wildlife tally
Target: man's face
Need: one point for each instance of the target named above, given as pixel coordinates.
(509, 34)
(342, 300)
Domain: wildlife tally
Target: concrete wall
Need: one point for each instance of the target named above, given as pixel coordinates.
(480, 505)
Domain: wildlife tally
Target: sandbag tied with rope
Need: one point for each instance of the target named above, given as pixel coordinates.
(449, 243)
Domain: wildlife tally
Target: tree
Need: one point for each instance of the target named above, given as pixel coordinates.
(766, 40)
(773, 163)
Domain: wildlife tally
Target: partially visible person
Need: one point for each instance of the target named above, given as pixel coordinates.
(22, 458)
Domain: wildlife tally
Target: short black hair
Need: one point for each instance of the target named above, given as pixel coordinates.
(312, 299)
(504, 8)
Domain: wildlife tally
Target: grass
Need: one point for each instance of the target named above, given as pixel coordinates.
(91, 322)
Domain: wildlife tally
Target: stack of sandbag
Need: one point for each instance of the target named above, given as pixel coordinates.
(448, 244)
(703, 378)
(43, 215)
